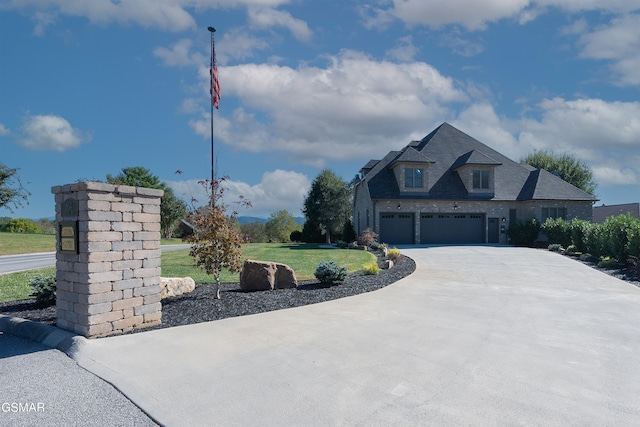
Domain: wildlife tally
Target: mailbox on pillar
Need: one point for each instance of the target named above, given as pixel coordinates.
(68, 227)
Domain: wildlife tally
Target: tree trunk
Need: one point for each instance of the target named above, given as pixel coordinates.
(328, 234)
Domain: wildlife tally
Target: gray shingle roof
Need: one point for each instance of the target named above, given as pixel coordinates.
(446, 149)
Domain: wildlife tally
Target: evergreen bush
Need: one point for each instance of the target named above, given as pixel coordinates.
(330, 272)
(44, 289)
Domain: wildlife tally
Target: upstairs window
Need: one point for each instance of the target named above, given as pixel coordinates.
(480, 180)
(412, 178)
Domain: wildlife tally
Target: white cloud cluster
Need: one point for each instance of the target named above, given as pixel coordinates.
(50, 132)
(343, 111)
(618, 42)
(167, 15)
(476, 14)
(278, 190)
(4, 131)
(605, 135)
(268, 18)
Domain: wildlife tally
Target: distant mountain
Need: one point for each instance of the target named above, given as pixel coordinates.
(250, 219)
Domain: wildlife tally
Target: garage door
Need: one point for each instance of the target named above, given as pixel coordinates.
(449, 228)
(396, 228)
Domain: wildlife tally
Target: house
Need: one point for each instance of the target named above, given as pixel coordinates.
(601, 213)
(450, 188)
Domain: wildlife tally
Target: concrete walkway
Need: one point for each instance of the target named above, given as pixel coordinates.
(476, 336)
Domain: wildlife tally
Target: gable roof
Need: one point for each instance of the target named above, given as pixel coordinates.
(410, 155)
(447, 149)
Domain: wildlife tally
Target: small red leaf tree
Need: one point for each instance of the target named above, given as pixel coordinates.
(216, 242)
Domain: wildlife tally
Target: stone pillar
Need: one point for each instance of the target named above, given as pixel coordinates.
(107, 258)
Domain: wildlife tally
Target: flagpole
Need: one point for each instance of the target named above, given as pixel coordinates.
(212, 30)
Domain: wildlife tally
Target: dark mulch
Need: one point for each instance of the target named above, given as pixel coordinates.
(201, 305)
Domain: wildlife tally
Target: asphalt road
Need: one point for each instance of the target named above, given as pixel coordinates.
(14, 263)
(40, 386)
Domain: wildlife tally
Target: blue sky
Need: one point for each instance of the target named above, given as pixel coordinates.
(90, 87)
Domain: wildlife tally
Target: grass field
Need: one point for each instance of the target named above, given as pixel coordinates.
(18, 243)
(302, 258)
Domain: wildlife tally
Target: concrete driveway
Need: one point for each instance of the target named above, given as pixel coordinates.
(476, 336)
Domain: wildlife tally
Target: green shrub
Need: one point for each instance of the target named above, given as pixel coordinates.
(330, 272)
(579, 228)
(558, 231)
(44, 289)
(295, 236)
(22, 225)
(615, 235)
(371, 269)
(341, 244)
(633, 243)
(524, 233)
(394, 253)
(608, 262)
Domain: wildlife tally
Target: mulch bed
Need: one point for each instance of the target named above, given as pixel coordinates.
(201, 305)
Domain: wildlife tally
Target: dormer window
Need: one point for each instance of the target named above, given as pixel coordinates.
(480, 179)
(413, 178)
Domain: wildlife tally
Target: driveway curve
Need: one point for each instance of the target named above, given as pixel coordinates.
(478, 335)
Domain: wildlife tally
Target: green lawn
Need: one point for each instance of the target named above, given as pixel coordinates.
(18, 243)
(302, 258)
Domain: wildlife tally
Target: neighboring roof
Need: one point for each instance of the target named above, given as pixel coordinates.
(600, 213)
(449, 148)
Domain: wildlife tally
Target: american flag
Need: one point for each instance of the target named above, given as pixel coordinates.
(213, 74)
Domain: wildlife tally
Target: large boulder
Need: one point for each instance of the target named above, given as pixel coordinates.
(174, 286)
(263, 276)
(285, 277)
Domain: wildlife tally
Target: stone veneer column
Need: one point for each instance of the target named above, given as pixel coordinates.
(112, 284)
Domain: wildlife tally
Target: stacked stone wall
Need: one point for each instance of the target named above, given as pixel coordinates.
(112, 284)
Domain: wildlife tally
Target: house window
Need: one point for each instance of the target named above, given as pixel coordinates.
(481, 180)
(553, 213)
(412, 178)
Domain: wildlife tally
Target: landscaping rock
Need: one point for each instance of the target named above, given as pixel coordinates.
(174, 286)
(387, 264)
(285, 277)
(264, 276)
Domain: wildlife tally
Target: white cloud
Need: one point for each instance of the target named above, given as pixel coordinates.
(348, 110)
(237, 43)
(168, 15)
(278, 190)
(4, 131)
(267, 18)
(51, 132)
(404, 50)
(179, 54)
(472, 14)
(477, 14)
(618, 42)
(592, 130)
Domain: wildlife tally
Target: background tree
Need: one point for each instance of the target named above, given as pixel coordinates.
(254, 232)
(22, 225)
(328, 203)
(568, 168)
(280, 225)
(172, 209)
(12, 194)
(216, 242)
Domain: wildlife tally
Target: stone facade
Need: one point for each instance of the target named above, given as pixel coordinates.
(111, 283)
(367, 212)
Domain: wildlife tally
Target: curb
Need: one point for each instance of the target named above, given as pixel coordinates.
(47, 335)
